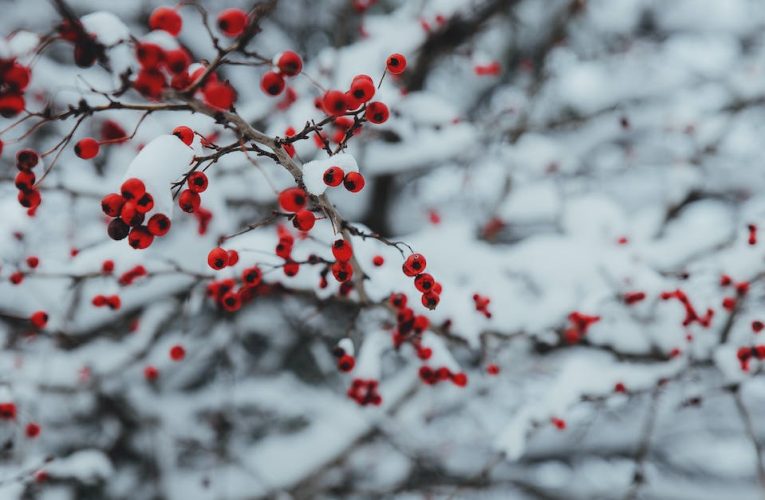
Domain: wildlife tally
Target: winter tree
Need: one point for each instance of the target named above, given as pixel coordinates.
(382, 249)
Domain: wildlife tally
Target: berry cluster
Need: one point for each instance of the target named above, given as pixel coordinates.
(691, 315)
(746, 353)
(482, 304)
(218, 258)
(285, 64)
(365, 392)
(29, 196)
(432, 376)
(352, 181)
(345, 361)
(579, 323)
(226, 294)
(128, 210)
(87, 50)
(414, 266)
(14, 79)
(740, 289)
(190, 201)
(409, 326)
(111, 301)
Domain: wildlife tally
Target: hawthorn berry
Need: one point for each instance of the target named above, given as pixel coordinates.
(29, 199)
(362, 88)
(107, 266)
(377, 112)
(289, 63)
(150, 372)
(87, 148)
(130, 214)
(166, 19)
(346, 363)
(140, 238)
(492, 369)
(158, 225)
(177, 61)
(32, 261)
(197, 181)
(414, 264)
(27, 159)
(189, 201)
(333, 176)
(184, 133)
(396, 64)
(118, 230)
(144, 203)
(232, 22)
(150, 82)
(354, 182)
(219, 95)
(460, 379)
(342, 250)
(16, 278)
(11, 105)
(112, 131)
(149, 55)
(424, 282)
(252, 276)
(757, 326)
(272, 83)
(39, 319)
(25, 180)
(342, 271)
(378, 260)
(132, 189)
(398, 300)
(32, 430)
(8, 411)
(177, 352)
(291, 268)
(292, 199)
(304, 220)
(334, 103)
(217, 258)
(430, 300)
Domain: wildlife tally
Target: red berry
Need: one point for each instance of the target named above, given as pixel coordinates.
(27, 159)
(132, 189)
(159, 224)
(197, 182)
(112, 131)
(354, 182)
(233, 257)
(16, 278)
(231, 301)
(304, 220)
(87, 148)
(11, 105)
(16, 77)
(39, 319)
(25, 180)
(334, 103)
(346, 363)
(492, 369)
(424, 282)
(33, 261)
(252, 276)
(130, 214)
(107, 266)
(167, 19)
(30, 199)
(232, 22)
(377, 112)
(342, 250)
(217, 258)
(378, 260)
(289, 63)
(396, 64)
(291, 268)
(177, 61)
(184, 133)
(150, 83)
(189, 201)
(333, 176)
(414, 264)
(272, 83)
(149, 55)
(757, 326)
(342, 271)
(140, 238)
(219, 95)
(430, 300)
(460, 379)
(32, 430)
(362, 89)
(150, 372)
(177, 352)
(144, 203)
(292, 199)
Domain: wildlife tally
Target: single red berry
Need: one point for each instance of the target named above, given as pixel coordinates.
(177, 352)
(107, 266)
(492, 369)
(430, 300)
(460, 379)
(189, 201)
(11, 105)
(87, 148)
(177, 61)
(289, 63)
(232, 22)
(150, 82)
(184, 133)
(219, 95)
(167, 19)
(291, 268)
(342, 271)
(304, 220)
(272, 83)
(378, 260)
(197, 182)
(112, 131)
(414, 264)
(560, 424)
(342, 250)
(140, 238)
(39, 319)
(333, 176)
(620, 387)
(362, 89)
(8, 411)
(29, 199)
(252, 276)
(130, 214)
(346, 363)
(151, 372)
(354, 182)
(16, 278)
(334, 103)
(144, 203)
(424, 282)
(32, 430)
(159, 224)
(292, 199)
(33, 261)
(396, 64)
(118, 230)
(25, 180)
(132, 189)
(757, 326)
(233, 257)
(149, 55)
(217, 258)
(377, 112)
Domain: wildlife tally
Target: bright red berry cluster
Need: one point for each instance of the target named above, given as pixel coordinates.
(29, 196)
(432, 376)
(414, 266)
(111, 301)
(128, 210)
(579, 323)
(746, 353)
(365, 392)
(285, 64)
(132, 274)
(14, 79)
(740, 289)
(691, 315)
(482, 304)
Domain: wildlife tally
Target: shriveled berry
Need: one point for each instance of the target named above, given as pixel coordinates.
(333, 176)
(87, 148)
(197, 182)
(118, 230)
(354, 182)
(27, 159)
(184, 133)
